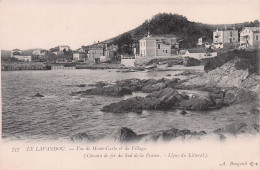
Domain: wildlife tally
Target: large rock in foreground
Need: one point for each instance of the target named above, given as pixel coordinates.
(126, 87)
(134, 104)
(127, 135)
(163, 99)
(168, 99)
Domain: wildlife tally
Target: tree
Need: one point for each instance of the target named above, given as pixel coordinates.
(125, 43)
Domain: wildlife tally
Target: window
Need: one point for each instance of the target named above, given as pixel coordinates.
(256, 37)
(163, 51)
(166, 51)
(230, 33)
(141, 44)
(159, 46)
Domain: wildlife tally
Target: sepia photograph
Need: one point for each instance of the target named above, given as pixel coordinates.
(173, 82)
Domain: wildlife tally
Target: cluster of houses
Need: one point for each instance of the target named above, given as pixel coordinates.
(225, 38)
(95, 53)
(154, 46)
(98, 52)
(248, 38)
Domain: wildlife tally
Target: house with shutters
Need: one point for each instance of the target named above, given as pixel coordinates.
(95, 52)
(224, 37)
(156, 46)
(250, 37)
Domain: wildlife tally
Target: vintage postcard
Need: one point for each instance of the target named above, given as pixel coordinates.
(129, 84)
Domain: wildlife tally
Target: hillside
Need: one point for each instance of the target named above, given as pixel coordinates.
(171, 24)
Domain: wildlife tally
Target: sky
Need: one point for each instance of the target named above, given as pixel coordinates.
(27, 24)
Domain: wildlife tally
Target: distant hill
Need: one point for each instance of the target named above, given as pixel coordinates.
(171, 24)
(5, 54)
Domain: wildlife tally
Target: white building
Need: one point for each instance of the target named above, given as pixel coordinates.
(128, 61)
(156, 46)
(250, 37)
(80, 56)
(23, 58)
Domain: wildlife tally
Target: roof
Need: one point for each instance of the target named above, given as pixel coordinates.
(225, 29)
(159, 37)
(253, 29)
(164, 40)
(16, 49)
(96, 47)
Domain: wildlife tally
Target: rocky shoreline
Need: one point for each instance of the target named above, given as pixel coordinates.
(225, 85)
(163, 95)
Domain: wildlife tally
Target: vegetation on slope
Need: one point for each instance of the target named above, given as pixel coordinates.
(248, 60)
(171, 24)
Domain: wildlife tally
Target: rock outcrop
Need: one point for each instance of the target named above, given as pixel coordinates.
(197, 104)
(227, 76)
(134, 104)
(107, 91)
(168, 99)
(163, 99)
(126, 87)
(238, 128)
(127, 135)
